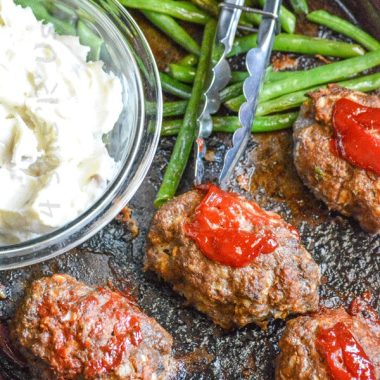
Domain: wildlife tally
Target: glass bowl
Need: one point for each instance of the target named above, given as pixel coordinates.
(134, 139)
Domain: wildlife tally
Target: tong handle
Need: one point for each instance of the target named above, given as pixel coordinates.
(256, 62)
(220, 76)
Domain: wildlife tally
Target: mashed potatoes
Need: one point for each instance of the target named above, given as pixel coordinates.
(55, 108)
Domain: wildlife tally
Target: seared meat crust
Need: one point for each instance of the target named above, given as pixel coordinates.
(50, 331)
(299, 358)
(273, 285)
(343, 187)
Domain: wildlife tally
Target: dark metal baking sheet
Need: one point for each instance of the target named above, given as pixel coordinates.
(349, 258)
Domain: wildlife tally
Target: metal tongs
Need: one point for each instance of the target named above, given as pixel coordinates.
(257, 61)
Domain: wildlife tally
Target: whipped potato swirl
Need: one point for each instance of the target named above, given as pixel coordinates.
(55, 108)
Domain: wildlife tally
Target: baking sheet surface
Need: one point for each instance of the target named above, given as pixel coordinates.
(349, 258)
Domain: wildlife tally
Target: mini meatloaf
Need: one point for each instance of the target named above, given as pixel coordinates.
(272, 285)
(303, 357)
(68, 330)
(349, 189)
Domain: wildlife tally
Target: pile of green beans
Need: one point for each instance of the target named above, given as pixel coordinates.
(282, 103)
(283, 91)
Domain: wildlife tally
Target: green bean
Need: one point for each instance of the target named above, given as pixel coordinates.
(174, 87)
(177, 108)
(88, 38)
(275, 76)
(229, 124)
(286, 102)
(254, 18)
(312, 45)
(232, 91)
(210, 6)
(182, 10)
(344, 27)
(61, 27)
(236, 89)
(271, 76)
(243, 45)
(365, 84)
(185, 139)
(300, 6)
(271, 123)
(184, 74)
(238, 76)
(251, 18)
(171, 28)
(61, 11)
(323, 74)
(297, 43)
(287, 19)
(188, 60)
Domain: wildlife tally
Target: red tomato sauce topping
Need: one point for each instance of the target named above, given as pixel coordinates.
(79, 325)
(357, 134)
(345, 358)
(231, 230)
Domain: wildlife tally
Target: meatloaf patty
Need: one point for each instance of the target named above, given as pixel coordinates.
(300, 359)
(343, 187)
(273, 285)
(68, 330)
